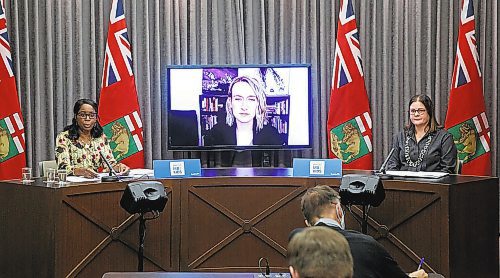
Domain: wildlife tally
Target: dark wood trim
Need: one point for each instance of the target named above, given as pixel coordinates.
(224, 223)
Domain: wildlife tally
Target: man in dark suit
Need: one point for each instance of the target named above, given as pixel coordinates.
(321, 207)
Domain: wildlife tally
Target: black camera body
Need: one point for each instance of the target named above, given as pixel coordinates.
(144, 196)
(361, 190)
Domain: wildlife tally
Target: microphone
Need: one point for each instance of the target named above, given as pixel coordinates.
(382, 169)
(384, 165)
(268, 270)
(112, 175)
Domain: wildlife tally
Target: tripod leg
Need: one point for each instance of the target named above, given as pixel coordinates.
(364, 226)
(142, 235)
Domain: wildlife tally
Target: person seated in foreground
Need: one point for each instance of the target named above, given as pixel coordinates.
(80, 145)
(319, 252)
(321, 207)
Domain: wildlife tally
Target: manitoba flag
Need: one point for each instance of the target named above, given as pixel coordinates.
(466, 117)
(118, 105)
(125, 135)
(12, 145)
(349, 121)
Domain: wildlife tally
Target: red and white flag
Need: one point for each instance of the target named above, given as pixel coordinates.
(12, 144)
(349, 119)
(119, 111)
(466, 117)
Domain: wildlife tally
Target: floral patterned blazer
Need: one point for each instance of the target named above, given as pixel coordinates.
(71, 154)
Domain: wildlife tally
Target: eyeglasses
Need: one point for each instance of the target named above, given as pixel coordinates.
(417, 111)
(82, 115)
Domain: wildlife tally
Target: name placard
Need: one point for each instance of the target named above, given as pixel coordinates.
(304, 167)
(177, 168)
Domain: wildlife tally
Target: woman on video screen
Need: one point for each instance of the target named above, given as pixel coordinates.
(246, 119)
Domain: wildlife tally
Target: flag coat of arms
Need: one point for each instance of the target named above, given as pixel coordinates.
(466, 117)
(349, 124)
(119, 111)
(12, 144)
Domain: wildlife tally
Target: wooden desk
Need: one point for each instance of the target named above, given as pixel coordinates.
(191, 275)
(229, 218)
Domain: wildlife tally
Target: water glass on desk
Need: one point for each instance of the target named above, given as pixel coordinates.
(51, 175)
(62, 176)
(26, 175)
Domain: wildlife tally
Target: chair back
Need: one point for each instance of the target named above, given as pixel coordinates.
(44, 166)
(182, 128)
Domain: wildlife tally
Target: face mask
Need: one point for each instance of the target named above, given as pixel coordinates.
(342, 219)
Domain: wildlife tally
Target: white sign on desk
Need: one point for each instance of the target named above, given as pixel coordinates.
(177, 168)
(317, 167)
(305, 167)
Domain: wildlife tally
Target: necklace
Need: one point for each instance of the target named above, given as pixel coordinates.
(84, 141)
(410, 162)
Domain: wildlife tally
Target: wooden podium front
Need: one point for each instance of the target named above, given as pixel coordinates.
(79, 231)
(229, 218)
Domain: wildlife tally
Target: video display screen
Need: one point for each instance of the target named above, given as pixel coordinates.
(239, 107)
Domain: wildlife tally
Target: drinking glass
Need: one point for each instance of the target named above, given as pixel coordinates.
(51, 175)
(26, 175)
(61, 175)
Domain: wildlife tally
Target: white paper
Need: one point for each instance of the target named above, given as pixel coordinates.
(81, 179)
(141, 172)
(433, 175)
(134, 173)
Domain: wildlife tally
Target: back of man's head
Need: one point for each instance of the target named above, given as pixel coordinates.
(319, 252)
(315, 200)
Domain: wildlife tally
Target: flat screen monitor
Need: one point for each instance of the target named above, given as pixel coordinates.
(238, 107)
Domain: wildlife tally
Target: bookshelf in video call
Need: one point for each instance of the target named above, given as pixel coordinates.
(213, 109)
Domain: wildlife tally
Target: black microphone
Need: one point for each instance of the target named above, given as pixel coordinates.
(268, 270)
(384, 165)
(112, 175)
(382, 169)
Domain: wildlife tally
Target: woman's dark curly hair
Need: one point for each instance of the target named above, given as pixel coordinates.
(74, 130)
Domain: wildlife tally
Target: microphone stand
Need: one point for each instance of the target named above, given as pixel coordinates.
(381, 173)
(112, 175)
